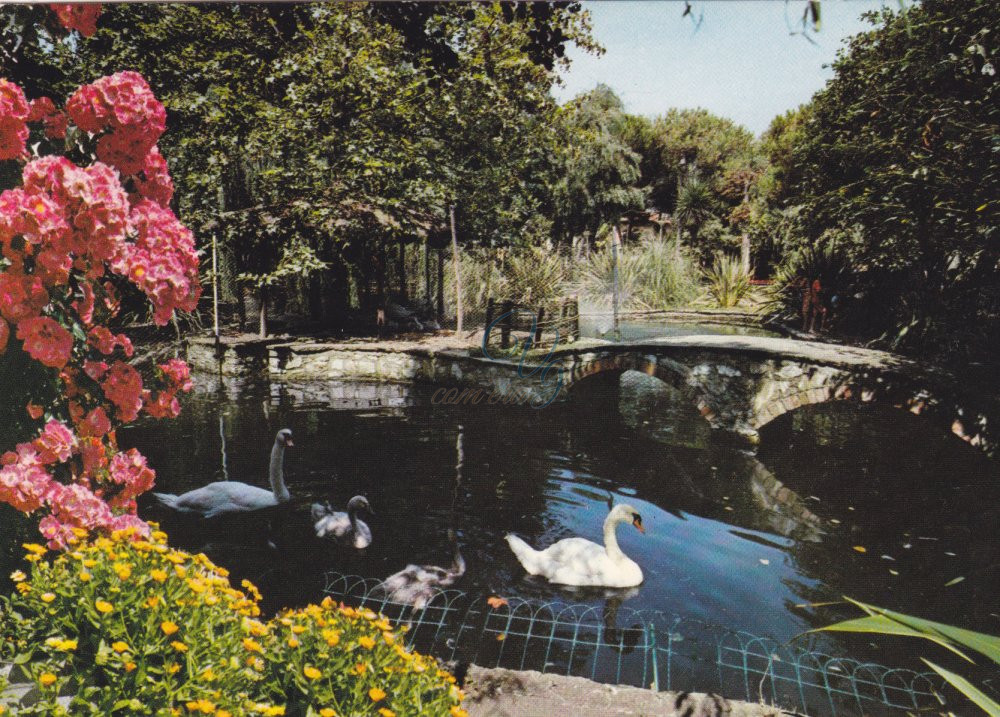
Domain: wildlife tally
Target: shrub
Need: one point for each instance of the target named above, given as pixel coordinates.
(728, 281)
(130, 626)
(655, 274)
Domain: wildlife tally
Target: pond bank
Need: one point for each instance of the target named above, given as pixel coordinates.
(502, 693)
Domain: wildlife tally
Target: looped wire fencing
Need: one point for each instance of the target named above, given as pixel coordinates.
(615, 644)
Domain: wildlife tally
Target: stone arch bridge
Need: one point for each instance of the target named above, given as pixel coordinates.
(741, 383)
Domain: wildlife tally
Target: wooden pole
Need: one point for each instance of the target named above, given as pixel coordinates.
(507, 311)
(458, 271)
(401, 265)
(440, 286)
(215, 295)
(614, 279)
(427, 273)
(538, 326)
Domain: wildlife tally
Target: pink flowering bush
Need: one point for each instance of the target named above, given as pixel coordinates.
(72, 235)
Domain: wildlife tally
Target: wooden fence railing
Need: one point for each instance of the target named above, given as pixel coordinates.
(544, 323)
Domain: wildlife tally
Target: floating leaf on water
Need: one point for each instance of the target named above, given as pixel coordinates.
(765, 561)
(954, 581)
(729, 507)
(921, 537)
(893, 572)
(495, 602)
(834, 667)
(949, 553)
(812, 497)
(908, 546)
(501, 637)
(887, 557)
(861, 548)
(834, 521)
(850, 507)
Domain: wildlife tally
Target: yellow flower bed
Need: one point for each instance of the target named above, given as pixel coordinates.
(133, 627)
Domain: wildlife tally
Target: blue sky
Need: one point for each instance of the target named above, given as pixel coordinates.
(742, 62)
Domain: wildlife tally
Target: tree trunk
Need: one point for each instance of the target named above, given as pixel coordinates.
(458, 272)
(745, 252)
(401, 265)
(381, 272)
(262, 311)
(440, 286)
(427, 273)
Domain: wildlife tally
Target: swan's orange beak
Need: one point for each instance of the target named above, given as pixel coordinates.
(637, 522)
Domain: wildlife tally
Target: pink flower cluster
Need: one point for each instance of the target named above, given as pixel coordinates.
(81, 17)
(13, 120)
(123, 105)
(65, 235)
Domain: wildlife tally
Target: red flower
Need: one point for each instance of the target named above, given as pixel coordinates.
(178, 372)
(46, 341)
(123, 387)
(155, 183)
(4, 337)
(33, 409)
(44, 110)
(13, 116)
(78, 16)
(129, 469)
(24, 482)
(95, 425)
(21, 297)
(55, 444)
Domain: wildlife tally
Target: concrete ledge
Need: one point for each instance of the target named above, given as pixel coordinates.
(510, 693)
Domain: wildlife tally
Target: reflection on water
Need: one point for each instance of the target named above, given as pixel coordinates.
(731, 539)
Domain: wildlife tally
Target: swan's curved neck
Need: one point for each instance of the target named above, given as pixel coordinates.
(352, 513)
(276, 473)
(611, 541)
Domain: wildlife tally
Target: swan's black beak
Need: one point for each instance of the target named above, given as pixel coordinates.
(637, 522)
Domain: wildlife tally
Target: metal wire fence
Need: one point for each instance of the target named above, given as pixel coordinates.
(651, 649)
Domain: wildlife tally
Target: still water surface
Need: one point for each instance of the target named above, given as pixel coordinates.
(738, 540)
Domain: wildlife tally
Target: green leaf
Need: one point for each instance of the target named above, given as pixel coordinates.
(988, 645)
(968, 689)
(883, 625)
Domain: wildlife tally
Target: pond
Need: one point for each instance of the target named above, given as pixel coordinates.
(838, 501)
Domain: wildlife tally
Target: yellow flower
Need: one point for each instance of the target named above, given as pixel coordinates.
(169, 628)
(32, 558)
(48, 597)
(61, 644)
(386, 712)
(119, 647)
(152, 601)
(172, 668)
(298, 629)
(366, 642)
(179, 646)
(203, 706)
(158, 575)
(332, 637)
(89, 563)
(252, 645)
(123, 570)
(47, 678)
(376, 694)
(292, 642)
(223, 713)
(17, 576)
(457, 711)
(34, 548)
(129, 666)
(207, 674)
(23, 588)
(104, 606)
(311, 672)
(85, 577)
(360, 668)
(327, 712)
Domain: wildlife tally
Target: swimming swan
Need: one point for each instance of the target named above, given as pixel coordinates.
(345, 528)
(576, 561)
(229, 496)
(417, 585)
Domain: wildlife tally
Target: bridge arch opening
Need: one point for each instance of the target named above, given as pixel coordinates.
(655, 403)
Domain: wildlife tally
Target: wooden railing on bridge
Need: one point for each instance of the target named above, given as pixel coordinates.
(544, 323)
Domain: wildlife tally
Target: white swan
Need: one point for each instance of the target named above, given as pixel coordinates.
(230, 496)
(345, 528)
(417, 585)
(576, 561)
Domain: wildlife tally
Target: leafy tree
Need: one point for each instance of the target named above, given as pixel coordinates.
(899, 154)
(598, 173)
